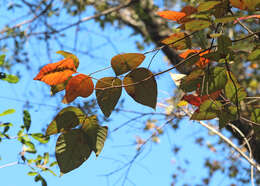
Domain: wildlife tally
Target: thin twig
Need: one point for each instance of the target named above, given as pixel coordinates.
(249, 148)
(9, 164)
(228, 141)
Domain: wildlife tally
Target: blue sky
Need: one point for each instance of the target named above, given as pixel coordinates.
(154, 166)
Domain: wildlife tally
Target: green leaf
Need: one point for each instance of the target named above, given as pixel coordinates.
(11, 78)
(2, 59)
(205, 6)
(204, 115)
(224, 42)
(69, 55)
(210, 105)
(255, 115)
(29, 147)
(227, 115)
(46, 158)
(215, 79)
(40, 137)
(95, 134)
(26, 120)
(108, 98)
(9, 111)
(144, 90)
(196, 25)
(190, 83)
(41, 179)
(71, 150)
(234, 91)
(225, 19)
(123, 63)
(32, 173)
(254, 55)
(66, 119)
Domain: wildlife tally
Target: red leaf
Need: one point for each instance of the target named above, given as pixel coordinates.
(56, 73)
(197, 100)
(79, 85)
(193, 100)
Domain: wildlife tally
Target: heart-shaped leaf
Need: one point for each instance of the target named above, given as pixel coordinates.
(66, 119)
(141, 86)
(79, 85)
(123, 63)
(71, 150)
(95, 134)
(109, 96)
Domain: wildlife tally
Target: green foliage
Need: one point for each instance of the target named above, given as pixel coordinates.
(6, 112)
(26, 120)
(66, 119)
(71, 150)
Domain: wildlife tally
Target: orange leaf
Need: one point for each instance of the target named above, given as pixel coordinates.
(247, 17)
(56, 73)
(202, 62)
(172, 15)
(79, 85)
(238, 4)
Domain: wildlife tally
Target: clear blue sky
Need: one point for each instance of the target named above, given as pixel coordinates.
(153, 167)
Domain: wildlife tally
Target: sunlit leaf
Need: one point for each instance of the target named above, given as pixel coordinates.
(9, 111)
(69, 55)
(29, 147)
(56, 73)
(40, 137)
(144, 88)
(11, 78)
(95, 134)
(26, 120)
(108, 98)
(59, 87)
(71, 150)
(175, 42)
(234, 91)
(123, 63)
(196, 25)
(172, 15)
(66, 119)
(177, 78)
(205, 6)
(79, 85)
